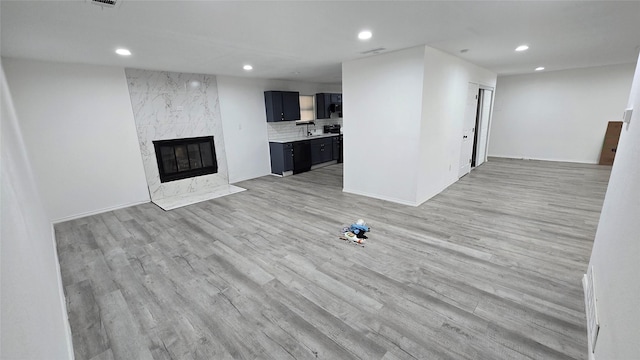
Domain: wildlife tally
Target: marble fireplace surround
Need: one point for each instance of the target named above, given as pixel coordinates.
(169, 105)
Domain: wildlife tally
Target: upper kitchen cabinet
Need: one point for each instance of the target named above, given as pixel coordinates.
(328, 103)
(282, 105)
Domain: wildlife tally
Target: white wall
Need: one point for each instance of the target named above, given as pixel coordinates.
(558, 115)
(78, 125)
(446, 83)
(67, 107)
(32, 316)
(245, 124)
(403, 121)
(616, 249)
(382, 108)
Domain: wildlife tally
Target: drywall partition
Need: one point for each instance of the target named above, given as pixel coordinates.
(78, 125)
(446, 83)
(245, 128)
(33, 322)
(616, 249)
(382, 112)
(244, 121)
(558, 115)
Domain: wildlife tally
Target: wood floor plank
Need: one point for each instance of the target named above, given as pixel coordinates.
(89, 335)
(488, 269)
(124, 336)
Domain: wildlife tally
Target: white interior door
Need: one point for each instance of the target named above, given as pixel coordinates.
(483, 131)
(466, 152)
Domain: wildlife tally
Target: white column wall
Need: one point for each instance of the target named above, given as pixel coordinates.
(382, 109)
(78, 125)
(616, 249)
(33, 317)
(558, 115)
(403, 119)
(446, 82)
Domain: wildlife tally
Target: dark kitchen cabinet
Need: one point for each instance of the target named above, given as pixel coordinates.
(328, 103)
(292, 156)
(291, 105)
(281, 157)
(337, 148)
(282, 105)
(321, 150)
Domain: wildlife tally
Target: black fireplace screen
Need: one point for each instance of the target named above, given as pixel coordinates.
(185, 158)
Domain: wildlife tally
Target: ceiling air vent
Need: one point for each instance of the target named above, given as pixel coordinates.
(373, 51)
(104, 3)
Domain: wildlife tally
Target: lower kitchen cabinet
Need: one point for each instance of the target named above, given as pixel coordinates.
(299, 156)
(281, 157)
(337, 148)
(321, 150)
(292, 156)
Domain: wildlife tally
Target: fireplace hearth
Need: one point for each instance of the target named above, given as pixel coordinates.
(185, 158)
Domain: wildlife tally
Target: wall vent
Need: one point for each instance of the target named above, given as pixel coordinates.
(373, 51)
(105, 3)
(591, 309)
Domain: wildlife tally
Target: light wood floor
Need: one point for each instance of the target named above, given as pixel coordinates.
(489, 269)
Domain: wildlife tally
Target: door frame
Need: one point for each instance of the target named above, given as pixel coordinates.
(472, 90)
(481, 94)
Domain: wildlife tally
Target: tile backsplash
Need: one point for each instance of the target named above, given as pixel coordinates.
(289, 129)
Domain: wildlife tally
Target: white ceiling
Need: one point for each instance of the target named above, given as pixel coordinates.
(308, 40)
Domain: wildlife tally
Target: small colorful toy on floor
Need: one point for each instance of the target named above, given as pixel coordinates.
(355, 232)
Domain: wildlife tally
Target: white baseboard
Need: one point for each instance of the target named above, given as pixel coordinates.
(235, 181)
(541, 159)
(99, 211)
(63, 300)
(380, 197)
(422, 201)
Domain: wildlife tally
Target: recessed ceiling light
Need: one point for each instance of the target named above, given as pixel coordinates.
(364, 35)
(540, 68)
(248, 67)
(522, 48)
(123, 52)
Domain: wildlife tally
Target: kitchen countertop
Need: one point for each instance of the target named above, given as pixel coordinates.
(301, 138)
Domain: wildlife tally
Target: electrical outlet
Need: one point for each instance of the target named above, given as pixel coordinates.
(626, 116)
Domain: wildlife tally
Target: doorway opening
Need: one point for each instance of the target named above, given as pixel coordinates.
(481, 135)
(475, 134)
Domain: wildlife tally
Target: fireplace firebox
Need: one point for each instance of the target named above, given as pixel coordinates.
(185, 158)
